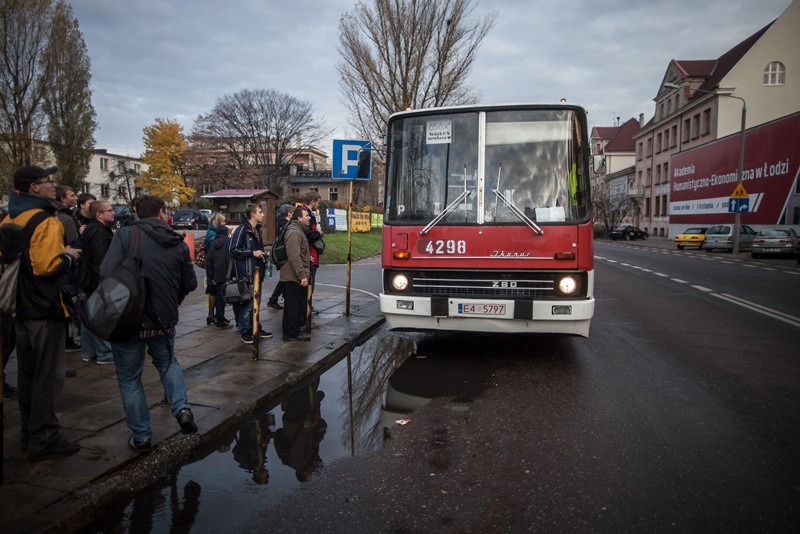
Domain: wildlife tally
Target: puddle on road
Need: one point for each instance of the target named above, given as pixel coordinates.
(341, 413)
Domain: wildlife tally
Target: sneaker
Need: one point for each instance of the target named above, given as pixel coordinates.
(263, 334)
(70, 373)
(88, 359)
(10, 392)
(62, 448)
(105, 362)
(186, 420)
(247, 338)
(141, 447)
(274, 306)
(72, 346)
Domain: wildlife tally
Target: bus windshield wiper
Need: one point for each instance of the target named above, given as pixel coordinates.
(524, 218)
(446, 211)
(450, 207)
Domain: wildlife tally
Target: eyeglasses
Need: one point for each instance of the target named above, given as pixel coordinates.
(104, 211)
(47, 181)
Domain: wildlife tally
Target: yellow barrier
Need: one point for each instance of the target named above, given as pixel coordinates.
(361, 222)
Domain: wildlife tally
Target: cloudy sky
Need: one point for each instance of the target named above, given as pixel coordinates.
(174, 58)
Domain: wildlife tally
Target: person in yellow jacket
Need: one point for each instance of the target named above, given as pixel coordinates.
(40, 313)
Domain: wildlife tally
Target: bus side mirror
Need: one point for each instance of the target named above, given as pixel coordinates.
(364, 163)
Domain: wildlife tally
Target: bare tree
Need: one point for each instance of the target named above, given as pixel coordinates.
(44, 80)
(123, 179)
(611, 207)
(400, 54)
(254, 135)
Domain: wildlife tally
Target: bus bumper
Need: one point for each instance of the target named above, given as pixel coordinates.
(538, 316)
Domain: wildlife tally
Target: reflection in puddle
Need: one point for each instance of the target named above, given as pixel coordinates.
(340, 413)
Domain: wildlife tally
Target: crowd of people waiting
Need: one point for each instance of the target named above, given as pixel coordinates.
(70, 246)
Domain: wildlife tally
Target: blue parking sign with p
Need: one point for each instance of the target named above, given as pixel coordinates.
(346, 157)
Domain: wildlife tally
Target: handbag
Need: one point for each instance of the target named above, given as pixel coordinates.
(235, 290)
(319, 245)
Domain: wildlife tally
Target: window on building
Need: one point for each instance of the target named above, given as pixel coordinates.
(650, 147)
(658, 143)
(706, 121)
(661, 111)
(103, 164)
(696, 128)
(85, 187)
(775, 74)
(649, 176)
(104, 191)
(647, 207)
(333, 194)
(669, 106)
(137, 168)
(674, 135)
(138, 191)
(120, 166)
(122, 191)
(666, 172)
(657, 208)
(658, 174)
(295, 190)
(687, 130)
(665, 206)
(639, 151)
(666, 139)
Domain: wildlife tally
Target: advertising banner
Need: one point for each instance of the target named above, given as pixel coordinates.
(360, 222)
(703, 179)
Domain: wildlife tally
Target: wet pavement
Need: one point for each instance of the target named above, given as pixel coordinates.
(225, 387)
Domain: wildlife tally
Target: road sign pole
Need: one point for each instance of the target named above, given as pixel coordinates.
(737, 217)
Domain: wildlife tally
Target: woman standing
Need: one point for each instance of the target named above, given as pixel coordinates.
(217, 219)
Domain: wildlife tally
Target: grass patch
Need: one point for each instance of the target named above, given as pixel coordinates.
(362, 246)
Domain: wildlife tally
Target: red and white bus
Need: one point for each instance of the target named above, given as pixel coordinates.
(487, 220)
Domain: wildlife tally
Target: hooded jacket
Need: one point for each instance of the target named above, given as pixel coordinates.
(165, 265)
(38, 293)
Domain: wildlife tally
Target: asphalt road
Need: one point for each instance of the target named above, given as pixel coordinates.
(681, 412)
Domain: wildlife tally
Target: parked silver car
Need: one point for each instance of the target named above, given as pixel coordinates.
(720, 237)
(774, 241)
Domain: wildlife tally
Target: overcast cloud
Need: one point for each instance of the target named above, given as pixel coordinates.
(173, 59)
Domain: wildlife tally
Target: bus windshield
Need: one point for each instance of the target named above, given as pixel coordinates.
(513, 164)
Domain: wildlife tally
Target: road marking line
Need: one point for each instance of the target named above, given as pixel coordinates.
(679, 280)
(351, 289)
(701, 288)
(769, 312)
(661, 275)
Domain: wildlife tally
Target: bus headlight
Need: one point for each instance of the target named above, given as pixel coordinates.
(567, 285)
(400, 282)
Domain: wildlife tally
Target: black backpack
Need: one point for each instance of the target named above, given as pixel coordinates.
(115, 309)
(278, 255)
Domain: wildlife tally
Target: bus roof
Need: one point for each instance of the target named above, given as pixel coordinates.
(488, 107)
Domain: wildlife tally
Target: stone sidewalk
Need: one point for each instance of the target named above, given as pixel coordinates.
(225, 384)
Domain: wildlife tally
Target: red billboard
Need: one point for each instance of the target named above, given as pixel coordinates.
(703, 178)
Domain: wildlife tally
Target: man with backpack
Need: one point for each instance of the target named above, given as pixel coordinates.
(247, 249)
(169, 276)
(286, 217)
(40, 312)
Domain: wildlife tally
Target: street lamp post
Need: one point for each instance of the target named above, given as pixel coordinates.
(737, 216)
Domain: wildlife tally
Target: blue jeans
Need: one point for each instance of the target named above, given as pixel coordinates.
(92, 347)
(129, 362)
(244, 315)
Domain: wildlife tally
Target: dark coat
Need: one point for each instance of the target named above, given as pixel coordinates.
(165, 265)
(96, 242)
(244, 241)
(218, 259)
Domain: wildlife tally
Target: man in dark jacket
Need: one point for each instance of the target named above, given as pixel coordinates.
(247, 249)
(65, 204)
(217, 262)
(169, 274)
(96, 242)
(40, 314)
